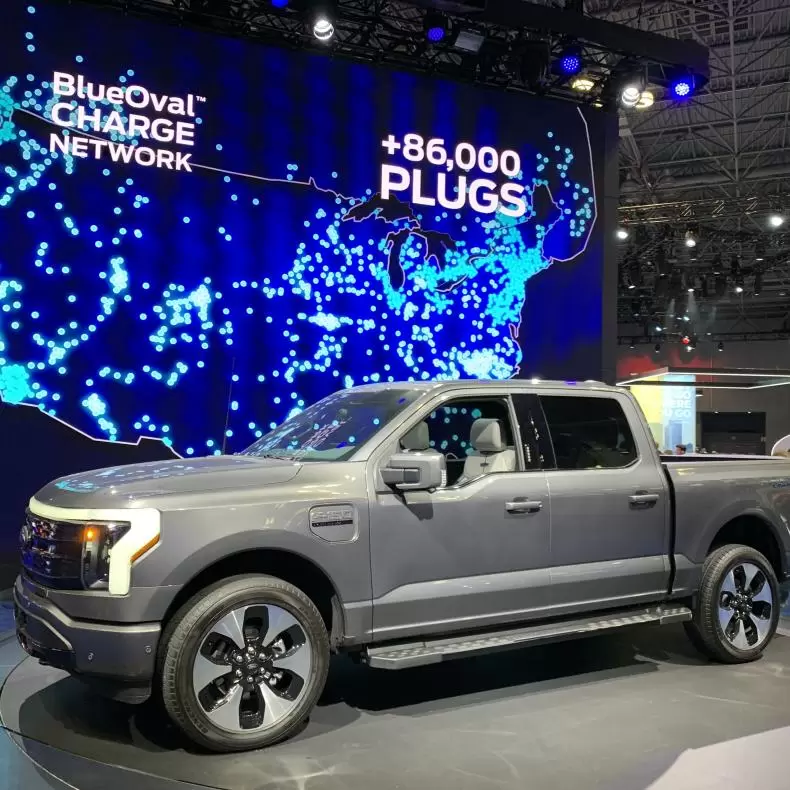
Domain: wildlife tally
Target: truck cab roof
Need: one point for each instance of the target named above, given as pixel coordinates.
(476, 384)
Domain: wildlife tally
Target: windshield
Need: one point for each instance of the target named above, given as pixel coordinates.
(333, 428)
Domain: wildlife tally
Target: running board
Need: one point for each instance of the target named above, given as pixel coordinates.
(414, 654)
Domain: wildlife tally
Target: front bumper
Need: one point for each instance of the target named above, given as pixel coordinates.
(125, 654)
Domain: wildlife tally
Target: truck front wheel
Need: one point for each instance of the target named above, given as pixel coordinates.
(243, 663)
(736, 612)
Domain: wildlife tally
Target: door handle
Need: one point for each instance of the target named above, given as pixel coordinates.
(643, 500)
(524, 506)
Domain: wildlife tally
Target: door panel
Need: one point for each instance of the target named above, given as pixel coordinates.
(456, 559)
(610, 518)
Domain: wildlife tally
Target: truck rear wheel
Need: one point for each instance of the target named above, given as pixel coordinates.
(243, 663)
(737, 608)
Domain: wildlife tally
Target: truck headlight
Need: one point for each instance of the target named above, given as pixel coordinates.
(97, 542)
(112, 540)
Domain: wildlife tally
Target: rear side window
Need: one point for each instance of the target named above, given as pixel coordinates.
(589, 433)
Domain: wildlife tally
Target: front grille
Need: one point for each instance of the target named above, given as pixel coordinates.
(52, 552)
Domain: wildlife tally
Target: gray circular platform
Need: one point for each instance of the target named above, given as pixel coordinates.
(635, 710)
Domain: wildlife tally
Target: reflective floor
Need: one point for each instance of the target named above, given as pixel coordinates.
(623, 712)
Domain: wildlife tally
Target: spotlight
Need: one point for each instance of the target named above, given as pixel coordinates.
(738, 289)
(682, 87)
(646, 99)
(630, 95)
(323, 29)
(758, 283)
(720, 347)
(582, 84)
(570, 61)
(689, 239)
(435, 26)
(622, 234)
(776, 220)
(657, 348)
(686, 340)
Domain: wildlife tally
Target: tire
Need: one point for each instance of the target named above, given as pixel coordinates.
(232, 713)
(735, 621)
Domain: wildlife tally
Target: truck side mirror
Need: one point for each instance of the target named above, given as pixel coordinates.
(415, 471)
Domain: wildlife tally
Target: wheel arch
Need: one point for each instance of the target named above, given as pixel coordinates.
(754, 530)
(285, 564)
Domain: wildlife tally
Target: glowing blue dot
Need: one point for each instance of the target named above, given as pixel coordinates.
(138, 233)
(186, 220)
(31, 9)
(29, 37)
(219, 146)
(31, 214)
(31, 48)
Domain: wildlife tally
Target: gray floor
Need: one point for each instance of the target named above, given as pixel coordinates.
(627, 712)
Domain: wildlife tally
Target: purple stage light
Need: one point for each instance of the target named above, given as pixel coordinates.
(571, 63)
(682, 88)
(435, 34)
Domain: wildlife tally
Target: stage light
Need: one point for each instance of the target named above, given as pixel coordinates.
(646, 99)
(622, 234)
(720, 347)
(279, 3)
(689, 239)
(686, 340)
(630, 95)
(582, 84)
(776, 220)
(657, 348)
(435, 26)
(738, 289)
(758, 283)
(682, 87)
(570, 62)
(323, 29)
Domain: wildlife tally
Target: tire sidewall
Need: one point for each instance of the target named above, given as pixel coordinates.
(746, 555)
(188, 636)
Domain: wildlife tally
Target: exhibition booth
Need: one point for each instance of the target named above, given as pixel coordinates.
(202, 236)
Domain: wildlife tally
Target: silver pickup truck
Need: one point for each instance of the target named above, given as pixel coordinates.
(404, 524)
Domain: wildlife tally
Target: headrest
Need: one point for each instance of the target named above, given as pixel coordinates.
(417, 439)
(487, 436)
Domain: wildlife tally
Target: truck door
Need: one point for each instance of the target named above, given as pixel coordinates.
(609, 504)
(475, 552)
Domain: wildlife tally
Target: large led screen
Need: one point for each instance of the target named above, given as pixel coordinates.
(200, 235)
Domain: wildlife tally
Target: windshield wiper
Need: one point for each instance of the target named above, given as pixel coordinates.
(276, 456)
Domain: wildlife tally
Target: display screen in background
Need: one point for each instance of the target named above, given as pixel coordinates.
(200, 235)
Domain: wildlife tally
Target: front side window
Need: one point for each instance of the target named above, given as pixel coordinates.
(333, 428)
(475, 435)
(589, 433)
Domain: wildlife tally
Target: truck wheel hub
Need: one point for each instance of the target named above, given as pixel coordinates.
(746, 606)
(253, 668)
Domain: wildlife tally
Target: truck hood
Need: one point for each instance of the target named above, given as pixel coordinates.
(125, 486)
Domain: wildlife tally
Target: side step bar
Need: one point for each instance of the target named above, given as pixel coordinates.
(414, 654)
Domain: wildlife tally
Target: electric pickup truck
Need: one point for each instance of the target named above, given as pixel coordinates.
(404, 524)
